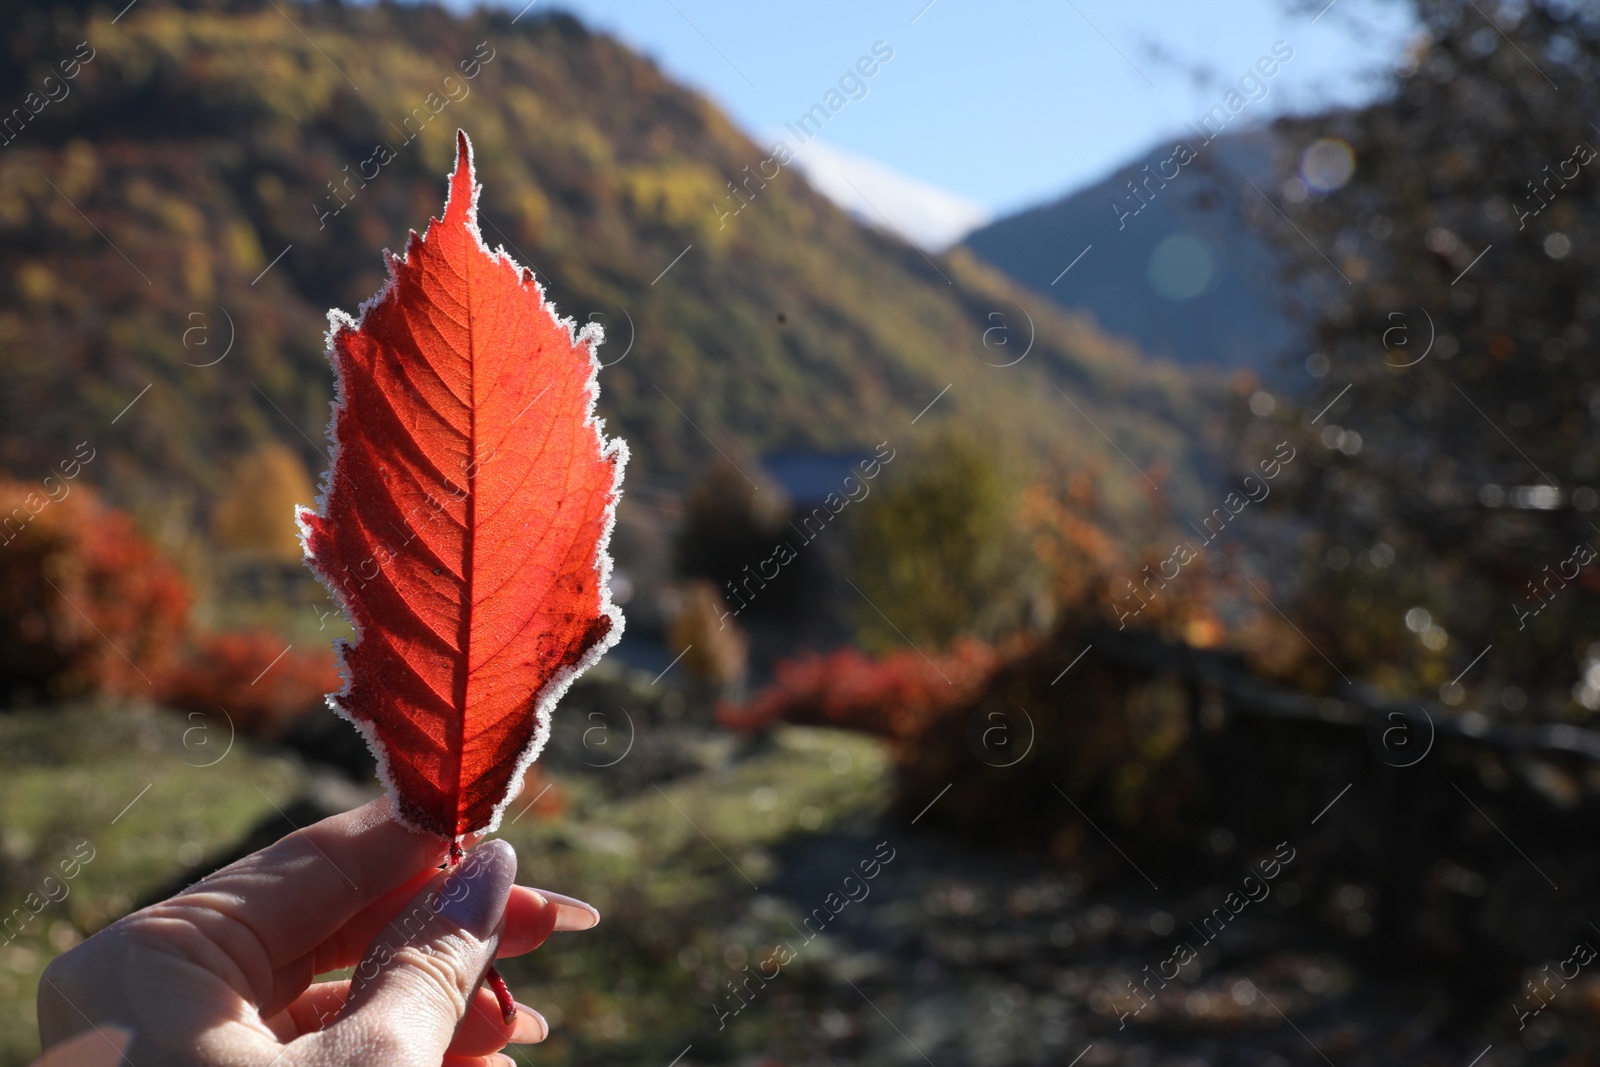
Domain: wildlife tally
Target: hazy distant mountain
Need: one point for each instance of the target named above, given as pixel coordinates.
(1171, 266)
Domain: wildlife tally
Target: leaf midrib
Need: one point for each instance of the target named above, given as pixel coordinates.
(468, 554)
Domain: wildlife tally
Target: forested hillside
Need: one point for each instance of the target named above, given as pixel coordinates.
(183, 207)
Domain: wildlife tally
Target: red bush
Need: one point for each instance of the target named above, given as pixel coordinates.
(260, 682)
(889, 696)
(88, 606)
(990, 730)
(540, 798)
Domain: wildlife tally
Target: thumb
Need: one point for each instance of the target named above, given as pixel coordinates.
(417, 979)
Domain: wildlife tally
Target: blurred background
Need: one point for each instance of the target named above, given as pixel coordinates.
(1108, 554)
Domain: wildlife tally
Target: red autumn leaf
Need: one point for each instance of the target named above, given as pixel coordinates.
(464, 521)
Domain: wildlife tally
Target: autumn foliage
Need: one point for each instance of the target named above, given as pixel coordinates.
(898, 693)
(1001, 728)
(240, 671)
(89, 607)
(86, 604)
(891, 696)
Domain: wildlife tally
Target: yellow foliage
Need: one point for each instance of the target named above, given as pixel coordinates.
(243, 247)
(291, 77)
(939, 550)
(197, 279)
(270, 188)
(678, 194)
(181, 218)
(717, 649)
(81, 165)
(36, 282)
(256, 512)
(534, 208)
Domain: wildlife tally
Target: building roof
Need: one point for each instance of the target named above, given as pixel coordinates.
(808, 477)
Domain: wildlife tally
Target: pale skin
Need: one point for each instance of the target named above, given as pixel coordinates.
(222, 974)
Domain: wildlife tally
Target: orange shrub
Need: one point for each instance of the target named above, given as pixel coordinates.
(86, 604)
(540, 798)
(261, 684)
(890, 695)
(1006, 734)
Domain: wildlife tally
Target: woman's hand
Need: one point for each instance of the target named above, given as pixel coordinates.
(220, 975)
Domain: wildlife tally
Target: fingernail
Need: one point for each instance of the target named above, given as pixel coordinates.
(531, 1027)
(475, 893)
(502, 1060)
(573, 914)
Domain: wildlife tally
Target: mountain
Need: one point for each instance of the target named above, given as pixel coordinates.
(1171, 263)
(179, 211)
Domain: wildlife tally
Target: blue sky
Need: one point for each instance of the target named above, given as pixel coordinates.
(1003, 103)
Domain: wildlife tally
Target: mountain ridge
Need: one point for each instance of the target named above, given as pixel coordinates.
(1169, 260)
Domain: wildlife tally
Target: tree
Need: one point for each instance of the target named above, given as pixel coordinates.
(1448, 494)
(938, 550)
(256, 512)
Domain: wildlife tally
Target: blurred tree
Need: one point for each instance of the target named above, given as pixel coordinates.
(1444, 239)
(731, 531)
(717, 649)
(938, 549)
(729, 521)
(256, 511)
(1092, 575)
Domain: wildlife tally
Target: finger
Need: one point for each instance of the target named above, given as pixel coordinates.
(344, 949)
(525, 923)
(530, 918)
(497, 1060)
(347, 945)
(483, 1031)
(409, 994)
(575, 914)
(312, 1010)
(300, 891)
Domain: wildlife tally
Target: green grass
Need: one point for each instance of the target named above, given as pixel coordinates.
(668, 871)
(68, 776)
(667, 865)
